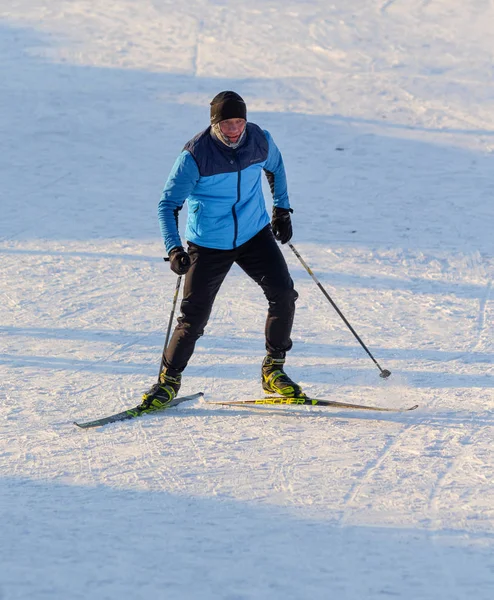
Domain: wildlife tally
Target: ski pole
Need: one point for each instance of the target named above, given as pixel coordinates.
(170, 321)
(384, 372)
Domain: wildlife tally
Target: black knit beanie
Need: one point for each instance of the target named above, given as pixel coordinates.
(227, 105)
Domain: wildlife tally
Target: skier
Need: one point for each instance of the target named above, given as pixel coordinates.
(219, 174)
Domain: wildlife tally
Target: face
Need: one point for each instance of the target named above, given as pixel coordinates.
(232, 129)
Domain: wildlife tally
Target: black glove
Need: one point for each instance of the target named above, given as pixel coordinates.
(282, 224)
(179, 260)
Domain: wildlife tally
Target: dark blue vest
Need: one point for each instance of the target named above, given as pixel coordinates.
(213, 157)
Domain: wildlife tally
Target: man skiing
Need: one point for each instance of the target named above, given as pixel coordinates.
(219, 174)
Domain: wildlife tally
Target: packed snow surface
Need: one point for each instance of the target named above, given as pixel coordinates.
(384, 112)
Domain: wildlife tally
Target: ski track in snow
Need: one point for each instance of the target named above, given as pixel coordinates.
(383, 112)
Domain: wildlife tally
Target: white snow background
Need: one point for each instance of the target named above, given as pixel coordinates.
(384, 112)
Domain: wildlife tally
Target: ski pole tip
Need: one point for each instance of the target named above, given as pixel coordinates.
(385, 373)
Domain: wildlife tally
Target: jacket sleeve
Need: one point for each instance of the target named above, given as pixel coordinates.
(275, 173)
(181, 181)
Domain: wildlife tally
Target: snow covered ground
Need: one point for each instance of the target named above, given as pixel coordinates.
(384, 112)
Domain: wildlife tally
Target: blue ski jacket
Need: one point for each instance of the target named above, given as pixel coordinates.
(223, 190)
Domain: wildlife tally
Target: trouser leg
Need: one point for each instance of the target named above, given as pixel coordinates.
(202, 282)
(262, 259)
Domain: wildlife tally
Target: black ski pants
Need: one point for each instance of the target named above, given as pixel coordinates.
(262, 259)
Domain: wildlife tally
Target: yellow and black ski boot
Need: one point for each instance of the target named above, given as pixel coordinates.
(276, 381)
(161, 394)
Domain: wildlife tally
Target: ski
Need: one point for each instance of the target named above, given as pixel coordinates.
(132, 413)
(305, 401)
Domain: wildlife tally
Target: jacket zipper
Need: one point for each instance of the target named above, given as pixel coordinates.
(234, 213)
